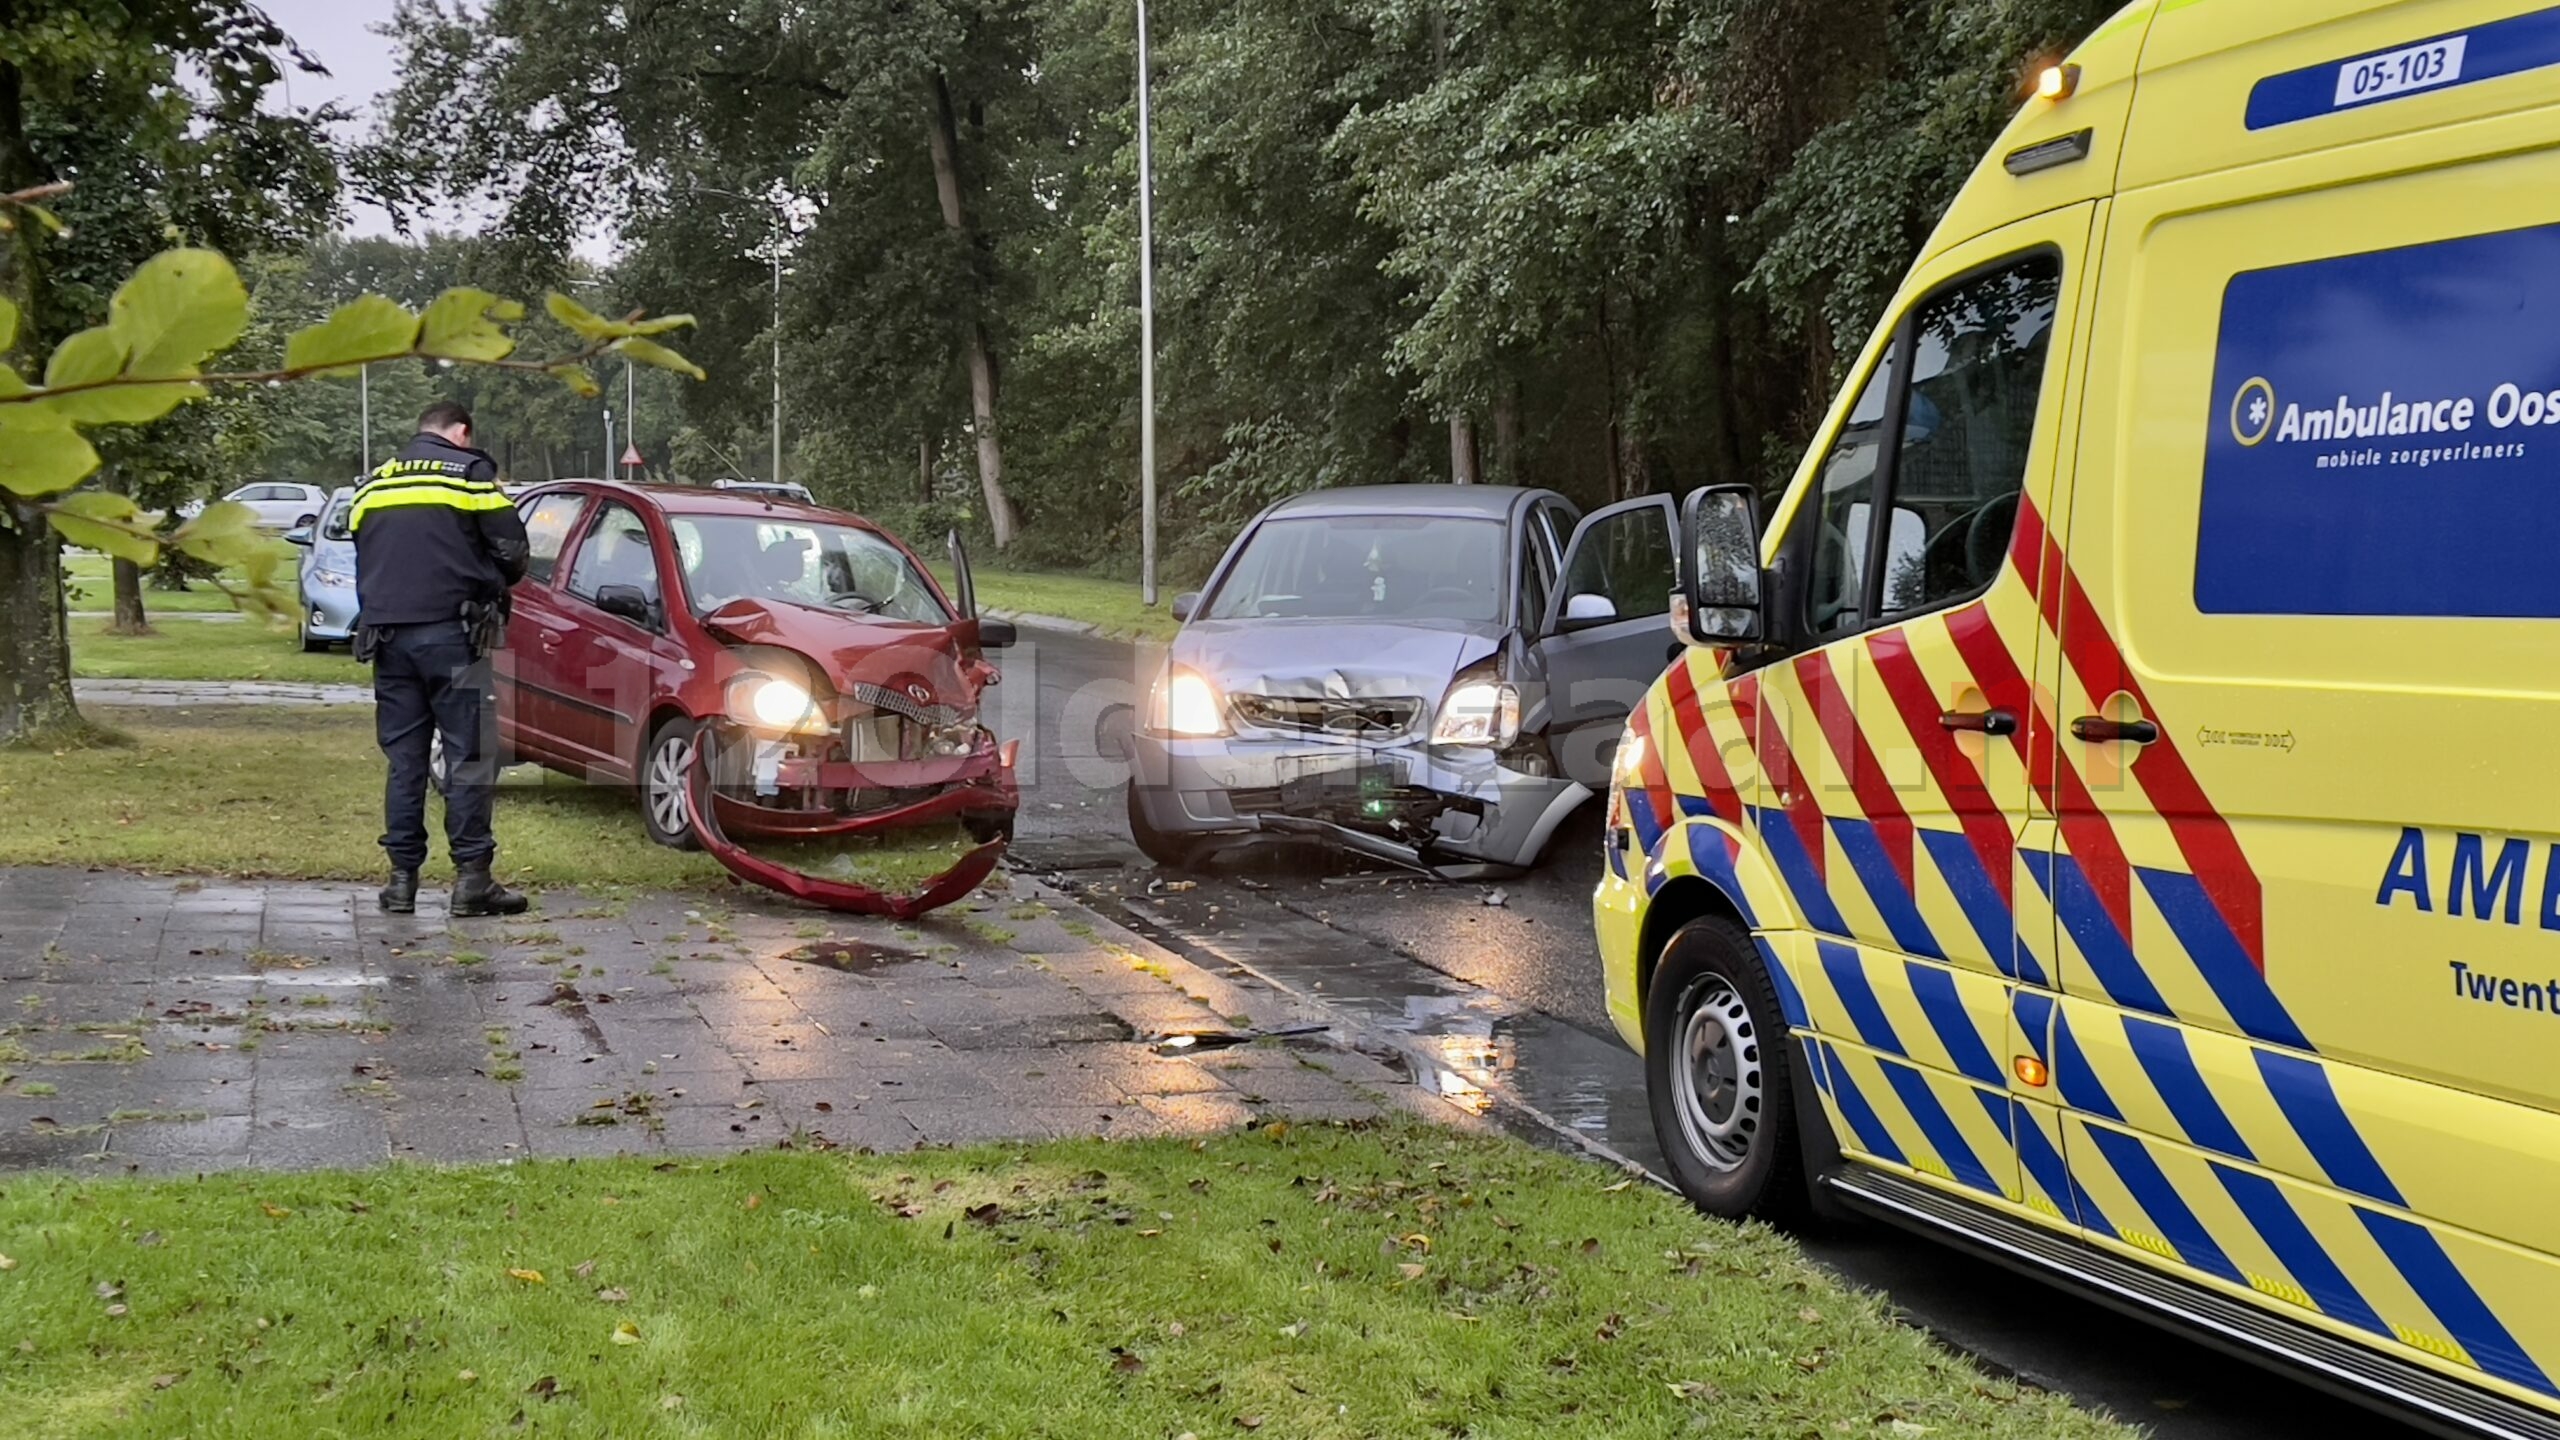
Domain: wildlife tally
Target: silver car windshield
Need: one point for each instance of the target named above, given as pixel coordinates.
(745, 557)
(1367, 567)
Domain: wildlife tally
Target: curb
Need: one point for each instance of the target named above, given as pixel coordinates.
(1430, 1076)
(1034, 620)
(1342, 1035)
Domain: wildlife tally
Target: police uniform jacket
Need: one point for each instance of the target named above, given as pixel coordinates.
(433, 533)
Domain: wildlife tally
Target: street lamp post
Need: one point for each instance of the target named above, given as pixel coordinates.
(1146, 331)
(777, 310)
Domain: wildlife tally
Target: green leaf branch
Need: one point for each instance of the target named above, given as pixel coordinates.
(181, 308)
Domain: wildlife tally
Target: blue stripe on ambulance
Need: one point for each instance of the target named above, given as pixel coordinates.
(1980, 900)
(1790, 999)
(2094, 931)
(2457, 1306)
(2488, 52)
(1708, 853)
(1864, 1123)
(1892, 899)
(2081, 1089)
(1778, 836)
(1921, 1102)
(2171, 1069)
(1867, 1022)
(2281, 1227)
(2044, 1164)
(1936, 990)
(2302, 1091)
(2236, 982)
(2160, 1200)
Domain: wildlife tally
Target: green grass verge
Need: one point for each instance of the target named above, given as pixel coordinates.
(1314, 1283)
(93, 585)
(207, 650)
(1111, 604)
(298, 793)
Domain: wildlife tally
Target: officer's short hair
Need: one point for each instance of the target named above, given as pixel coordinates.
(444, 414)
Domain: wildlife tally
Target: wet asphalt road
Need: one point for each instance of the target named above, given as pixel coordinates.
(1530, 1005)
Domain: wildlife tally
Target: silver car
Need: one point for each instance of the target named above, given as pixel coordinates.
(1434, 676)
(328, 608)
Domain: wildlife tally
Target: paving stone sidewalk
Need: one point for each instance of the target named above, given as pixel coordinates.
(172, 1025)
(186, 694)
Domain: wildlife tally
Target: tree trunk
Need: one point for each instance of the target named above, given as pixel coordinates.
(924, 469)
(35, 637)
(1463, 464)
(1506, 434)
(943, 139)
(129, 617)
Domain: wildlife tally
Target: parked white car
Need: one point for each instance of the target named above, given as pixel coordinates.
(282, 504)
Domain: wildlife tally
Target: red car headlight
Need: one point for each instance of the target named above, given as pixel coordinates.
(771, 703)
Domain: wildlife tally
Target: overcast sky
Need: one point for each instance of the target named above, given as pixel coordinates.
(339, 34)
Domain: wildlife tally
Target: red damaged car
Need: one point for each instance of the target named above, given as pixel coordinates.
(827, 682)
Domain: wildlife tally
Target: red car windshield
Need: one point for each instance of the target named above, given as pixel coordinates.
(772, 557)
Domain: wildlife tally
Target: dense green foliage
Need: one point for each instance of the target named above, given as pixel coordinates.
(1623, 248)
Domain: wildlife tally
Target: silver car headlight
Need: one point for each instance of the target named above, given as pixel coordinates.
(1478, 710)
(1184, 703)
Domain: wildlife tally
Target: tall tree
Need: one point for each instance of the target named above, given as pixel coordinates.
(95, 89)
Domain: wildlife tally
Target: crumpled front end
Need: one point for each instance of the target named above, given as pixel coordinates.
(1456, 812)
(883, 736)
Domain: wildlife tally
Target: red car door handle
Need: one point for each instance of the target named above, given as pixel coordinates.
(2096, 729)
(1988, 722)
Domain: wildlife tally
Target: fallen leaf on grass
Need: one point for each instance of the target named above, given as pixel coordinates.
(116, 1312)
(583, 1269)
(671, 1402)
(1411, 1271)
(1809, 1315)
(626, 1333)
(108, 1289)
(8, 1262)
(1294, 1329)
(613, 1294)
(1614, 1189)
(1126, 1361)
(755, 1202)
(530, 1277)
(1248, 1422)
(274, 1212)
(1908, 1427)
(988, 1214)
(1693, 1390)
(466, 1377)
(546, 1387)
(163, 1382)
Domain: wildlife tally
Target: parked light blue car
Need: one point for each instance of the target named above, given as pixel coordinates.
(328, 611)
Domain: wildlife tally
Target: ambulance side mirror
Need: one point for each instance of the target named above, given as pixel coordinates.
(1720, 570)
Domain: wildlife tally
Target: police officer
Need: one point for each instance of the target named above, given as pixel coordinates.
(437, 545)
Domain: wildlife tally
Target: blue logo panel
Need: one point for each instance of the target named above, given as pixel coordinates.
(2384, 435)
(2484, 52)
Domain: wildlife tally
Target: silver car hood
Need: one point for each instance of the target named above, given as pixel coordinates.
(1343, 658)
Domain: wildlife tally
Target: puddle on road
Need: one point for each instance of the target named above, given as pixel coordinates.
(853, 957)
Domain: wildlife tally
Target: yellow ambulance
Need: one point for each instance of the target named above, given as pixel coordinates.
(2109, 814)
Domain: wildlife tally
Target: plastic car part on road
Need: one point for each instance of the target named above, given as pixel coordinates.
(966, 875)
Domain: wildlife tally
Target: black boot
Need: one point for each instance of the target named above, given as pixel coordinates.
(400, 897)
(477, 892)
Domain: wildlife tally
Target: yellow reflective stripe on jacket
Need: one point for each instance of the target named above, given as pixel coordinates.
(455, 494)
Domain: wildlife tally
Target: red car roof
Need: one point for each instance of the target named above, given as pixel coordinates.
(703, 500)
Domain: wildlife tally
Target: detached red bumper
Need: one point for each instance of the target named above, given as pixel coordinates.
(980, 784)
(969, 785)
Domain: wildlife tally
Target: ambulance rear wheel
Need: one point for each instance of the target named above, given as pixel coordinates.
(1719, 1078)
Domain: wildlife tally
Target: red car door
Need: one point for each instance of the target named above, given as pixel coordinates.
(529, 719)
(616, 655)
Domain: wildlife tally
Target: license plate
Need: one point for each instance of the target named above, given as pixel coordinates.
(1334, 779)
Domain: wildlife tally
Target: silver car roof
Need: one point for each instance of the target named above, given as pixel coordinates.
(1492, 501)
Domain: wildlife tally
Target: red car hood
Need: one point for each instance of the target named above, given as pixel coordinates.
(857, 650)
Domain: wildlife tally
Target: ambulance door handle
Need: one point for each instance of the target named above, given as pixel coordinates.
(1987, 722)
(2097, 729)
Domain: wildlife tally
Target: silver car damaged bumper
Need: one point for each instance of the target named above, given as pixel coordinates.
(1453, 811)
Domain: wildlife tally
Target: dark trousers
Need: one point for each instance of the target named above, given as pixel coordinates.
(425, 685)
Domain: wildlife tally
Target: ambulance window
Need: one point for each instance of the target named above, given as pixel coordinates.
(1847, 495)
(1976, 375)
